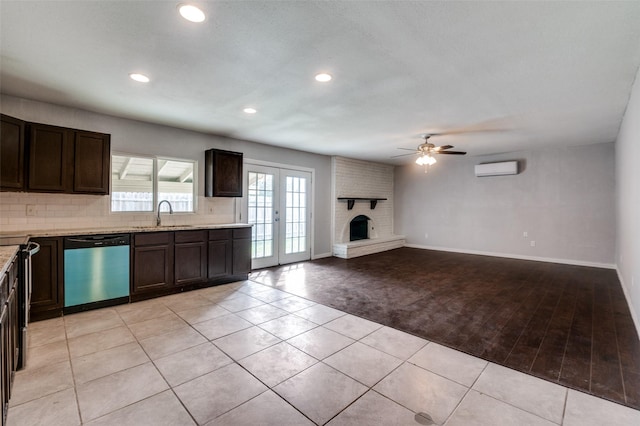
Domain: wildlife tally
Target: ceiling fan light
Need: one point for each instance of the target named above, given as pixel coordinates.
(420, 161)
(430, 161)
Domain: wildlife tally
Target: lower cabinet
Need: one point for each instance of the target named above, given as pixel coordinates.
(47, 295)
(190, 257)
(152, 263)
(220, 260)
(168, 262)
(162, 263)
(9, 335)
(5, 373)
(242, 252)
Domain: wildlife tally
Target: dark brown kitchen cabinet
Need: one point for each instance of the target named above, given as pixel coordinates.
(50, 157)
(12, 314)
(47, 295)
(222, 173)
(190, 251)
(42, 158)
(12, 139)
(9, 334)
(68, 160)
(5, 370)
(220, 261)
(91, 162)
(241, 252)
(153, 263)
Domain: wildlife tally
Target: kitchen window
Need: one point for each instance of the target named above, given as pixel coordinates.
(139, 183)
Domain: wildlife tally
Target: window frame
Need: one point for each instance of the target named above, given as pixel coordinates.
(155, 181)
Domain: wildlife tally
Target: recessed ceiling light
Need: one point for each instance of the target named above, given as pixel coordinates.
(139, 77)
(250, 110)
(191, 13)
(323, 78)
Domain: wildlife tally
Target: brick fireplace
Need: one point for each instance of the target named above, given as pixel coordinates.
(363, 191)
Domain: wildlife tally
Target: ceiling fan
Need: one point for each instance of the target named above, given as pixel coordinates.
(426, 151)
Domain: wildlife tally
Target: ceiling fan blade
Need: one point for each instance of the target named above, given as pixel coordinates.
(407, 149)
(443, 147)
(404, 155)
(451, 152)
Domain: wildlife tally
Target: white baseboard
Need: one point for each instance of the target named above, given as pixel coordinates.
(517, 256)
(627, 296)
(321, 255)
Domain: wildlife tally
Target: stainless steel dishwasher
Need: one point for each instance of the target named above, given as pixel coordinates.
(96, 271)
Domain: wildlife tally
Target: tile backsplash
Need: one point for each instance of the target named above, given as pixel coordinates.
(22, 211)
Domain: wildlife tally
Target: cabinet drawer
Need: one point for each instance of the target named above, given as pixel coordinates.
(153, 238)
(242, 233)
(190, 236)
(219, 234)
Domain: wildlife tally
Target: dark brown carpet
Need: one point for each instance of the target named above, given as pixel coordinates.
(567, 324)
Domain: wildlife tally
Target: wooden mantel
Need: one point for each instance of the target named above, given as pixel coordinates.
(351, 201)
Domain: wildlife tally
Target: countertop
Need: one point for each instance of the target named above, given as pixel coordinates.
(6, 254)
(118, 230)
(9, 241)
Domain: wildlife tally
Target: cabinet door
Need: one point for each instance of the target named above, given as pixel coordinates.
(11, 153)
(220, 259)
(91, 162)
(190, 253)
(14, 344)
(50, 153)
(47, 295)
(190, 263)
(241, 256)
(223, 173)
(152, 268)
(4, 362)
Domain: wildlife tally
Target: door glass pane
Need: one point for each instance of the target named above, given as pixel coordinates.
(260, 202)
(295, 215)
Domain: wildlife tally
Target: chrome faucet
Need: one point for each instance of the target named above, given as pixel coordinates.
(170, 210)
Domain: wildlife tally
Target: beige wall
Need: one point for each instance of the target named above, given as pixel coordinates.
(564, 198)
(628, 202)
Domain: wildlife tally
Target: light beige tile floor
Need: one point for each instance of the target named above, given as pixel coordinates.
(248, 354)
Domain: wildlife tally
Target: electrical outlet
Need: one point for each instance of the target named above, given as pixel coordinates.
(31, 210)
(525, 234)
(533, 243)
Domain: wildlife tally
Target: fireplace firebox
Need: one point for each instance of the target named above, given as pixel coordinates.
(359, 228)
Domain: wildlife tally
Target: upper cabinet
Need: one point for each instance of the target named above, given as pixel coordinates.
(91, 164)
(223, 173)
(44, 158)
(50, 154)
(11, 153)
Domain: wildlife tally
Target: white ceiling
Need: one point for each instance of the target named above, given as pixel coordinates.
(516, 75)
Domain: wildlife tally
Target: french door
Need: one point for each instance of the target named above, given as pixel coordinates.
(277, 205)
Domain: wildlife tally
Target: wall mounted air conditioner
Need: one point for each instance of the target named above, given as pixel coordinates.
(497, 169)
